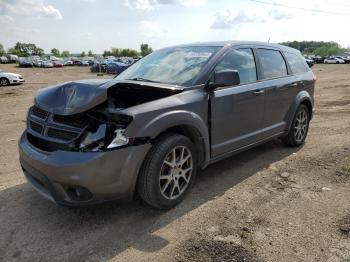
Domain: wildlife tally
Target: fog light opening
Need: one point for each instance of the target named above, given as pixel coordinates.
(79, 193)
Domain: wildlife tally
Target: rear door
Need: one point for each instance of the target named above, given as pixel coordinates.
(237, 111)
(280, 89)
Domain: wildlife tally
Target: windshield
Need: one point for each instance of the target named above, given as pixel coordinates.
(176, 66)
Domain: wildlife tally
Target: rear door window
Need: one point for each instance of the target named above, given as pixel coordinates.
(241, 60)
(296, 63)
(272, 63)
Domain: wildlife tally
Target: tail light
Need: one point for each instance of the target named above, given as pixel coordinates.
(314, 77)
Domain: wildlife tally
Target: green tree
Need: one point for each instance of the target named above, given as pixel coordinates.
(145, 49)
(118, 52)
(320, 48)
(107, 53)
(55, 52)
(65, 54)
(26, 49)
(90, 53)
(2, 50)
(83, 54)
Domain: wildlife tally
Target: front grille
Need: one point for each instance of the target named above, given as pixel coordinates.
(55, 128)
(36, 127)
(79, 122)
(61, 134)
(38, 112)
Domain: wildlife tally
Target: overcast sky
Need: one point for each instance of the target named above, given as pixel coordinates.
(78, 25)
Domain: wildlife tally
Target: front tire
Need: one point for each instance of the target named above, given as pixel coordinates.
(168, 171)
(4, 82)
(299, 128)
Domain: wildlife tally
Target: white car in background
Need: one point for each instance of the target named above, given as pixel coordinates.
(10, 79)
(333, 60)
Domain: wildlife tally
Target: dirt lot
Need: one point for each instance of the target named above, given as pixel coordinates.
(270, 203)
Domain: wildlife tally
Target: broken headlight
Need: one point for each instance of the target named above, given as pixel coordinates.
(104, 138)
(119, 139)
(94, 141)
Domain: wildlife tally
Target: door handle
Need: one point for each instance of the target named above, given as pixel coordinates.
(258, 92)
(293, 84)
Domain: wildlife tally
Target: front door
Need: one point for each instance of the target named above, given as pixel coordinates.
(237, 111)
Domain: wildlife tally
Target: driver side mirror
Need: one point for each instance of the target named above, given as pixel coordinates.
(225, 78)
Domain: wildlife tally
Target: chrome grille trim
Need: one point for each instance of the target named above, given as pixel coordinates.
(41, 123)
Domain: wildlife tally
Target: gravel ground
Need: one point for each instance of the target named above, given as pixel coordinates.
(270, 203)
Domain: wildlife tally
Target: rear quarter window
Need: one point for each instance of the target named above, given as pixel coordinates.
(297, 63)
(273, 64)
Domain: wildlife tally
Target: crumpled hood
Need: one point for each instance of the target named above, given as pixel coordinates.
(78, 96)
(72, 97)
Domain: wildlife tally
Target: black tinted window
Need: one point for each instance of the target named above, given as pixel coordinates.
(273, 64)
(296, 63)
(241, 60)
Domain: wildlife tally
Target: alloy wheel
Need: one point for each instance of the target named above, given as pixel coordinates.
(300, 127)
(176, 171)
(3, 82)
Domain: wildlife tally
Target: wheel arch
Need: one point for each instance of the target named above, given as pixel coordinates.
(182, 122)
(302, 98)
(194, 135)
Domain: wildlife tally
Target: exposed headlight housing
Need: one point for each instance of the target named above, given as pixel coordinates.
(94, 141)
(119, 139)
(103, 139)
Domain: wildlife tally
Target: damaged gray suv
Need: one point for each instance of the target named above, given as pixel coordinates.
(149, 130)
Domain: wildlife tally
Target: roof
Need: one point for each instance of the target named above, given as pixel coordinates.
(237, 42)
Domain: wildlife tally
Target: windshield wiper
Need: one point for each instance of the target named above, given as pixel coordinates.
(143, 79)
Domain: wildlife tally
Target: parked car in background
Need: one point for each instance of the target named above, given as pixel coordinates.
(310, 62)
(26, 63)
(346, 59)
(10, 79)
(3, 59)
(68, 63)
(47, 64)
(150, 129)
(38, 63)
(85, 63)
(333, 60)
(57, 63)
(77, 63)
(115, 68)
(318, 59)
(98, 67)
(12, 58)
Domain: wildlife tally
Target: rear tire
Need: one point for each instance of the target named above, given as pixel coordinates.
(4, 82)
(299, 128)
(168, 171)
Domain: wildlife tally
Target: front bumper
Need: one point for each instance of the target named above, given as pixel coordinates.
(102, 176)
(17, 81)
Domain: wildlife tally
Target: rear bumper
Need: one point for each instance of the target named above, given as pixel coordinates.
(99, 176)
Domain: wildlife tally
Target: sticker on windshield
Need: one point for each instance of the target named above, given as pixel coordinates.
(198, 54)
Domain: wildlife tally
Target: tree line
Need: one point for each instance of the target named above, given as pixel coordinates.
(319, 48)
(29, 49)
(145, 49)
